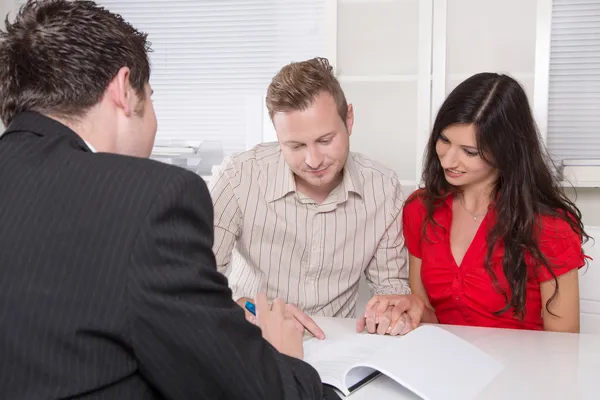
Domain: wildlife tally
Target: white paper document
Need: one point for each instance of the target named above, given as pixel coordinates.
(429, 361)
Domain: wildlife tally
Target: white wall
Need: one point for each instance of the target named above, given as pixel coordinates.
(478, 40)
(378, 50)
(378, 63)
(5, 7)
(588, 201)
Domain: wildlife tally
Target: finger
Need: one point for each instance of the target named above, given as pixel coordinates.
(384, 322)
(278, 306)
(361, 323)
(262, 311)
(395, 317)
(400, 325)
(381, 308)
(371, 303)
(262, 306)
(307, 322)
(291, 320)
(249, 317)
(299, 326)
(370, 318)
(415, 315)
(403, 304)
(407, 325)
(288, 312)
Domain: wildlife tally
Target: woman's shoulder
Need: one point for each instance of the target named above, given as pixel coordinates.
(556, 227)
(560, 242)
(420, 199)
(417, 195)
(415, 203)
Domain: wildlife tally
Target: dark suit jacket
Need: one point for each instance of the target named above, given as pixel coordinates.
(108, 284)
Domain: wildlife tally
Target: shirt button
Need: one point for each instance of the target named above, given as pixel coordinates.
(456, 297)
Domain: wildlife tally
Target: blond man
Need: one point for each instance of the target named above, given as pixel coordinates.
(302, 218)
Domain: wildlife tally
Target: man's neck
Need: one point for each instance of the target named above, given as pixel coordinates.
(84, 128)
(317, 193)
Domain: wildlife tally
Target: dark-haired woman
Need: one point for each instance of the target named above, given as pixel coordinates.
(493, 240)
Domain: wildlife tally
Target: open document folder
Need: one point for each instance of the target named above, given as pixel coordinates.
(429, 361)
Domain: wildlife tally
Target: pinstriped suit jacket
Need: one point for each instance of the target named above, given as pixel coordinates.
(108, 284)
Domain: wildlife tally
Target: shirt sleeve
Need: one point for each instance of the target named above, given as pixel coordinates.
(228, 216)
(387, 272)
(413, 216)
(561, 246)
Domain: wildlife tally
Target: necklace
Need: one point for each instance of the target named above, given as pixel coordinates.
(475, 216)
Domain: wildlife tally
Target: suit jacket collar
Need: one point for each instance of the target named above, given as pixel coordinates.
(42, 125)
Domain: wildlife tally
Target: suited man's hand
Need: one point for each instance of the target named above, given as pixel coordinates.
(242, 303)
(279, 326)
(307, 322)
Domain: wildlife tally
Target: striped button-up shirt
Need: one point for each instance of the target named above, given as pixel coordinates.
(278, 241)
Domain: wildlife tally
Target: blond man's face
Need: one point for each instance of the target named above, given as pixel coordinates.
(315, 142)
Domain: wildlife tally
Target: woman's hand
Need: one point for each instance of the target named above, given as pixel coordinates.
(392, 314)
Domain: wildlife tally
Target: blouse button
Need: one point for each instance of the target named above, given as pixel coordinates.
(456, 297)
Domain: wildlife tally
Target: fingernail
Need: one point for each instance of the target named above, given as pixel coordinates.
(399, 327)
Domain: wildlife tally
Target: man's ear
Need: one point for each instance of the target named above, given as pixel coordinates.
(350, 119)
(121, 92)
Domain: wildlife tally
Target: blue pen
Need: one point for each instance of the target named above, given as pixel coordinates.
(250, 307)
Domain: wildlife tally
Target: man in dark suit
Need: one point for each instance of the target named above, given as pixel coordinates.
(108, 284)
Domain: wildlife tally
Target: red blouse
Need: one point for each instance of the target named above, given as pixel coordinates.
(464, 295)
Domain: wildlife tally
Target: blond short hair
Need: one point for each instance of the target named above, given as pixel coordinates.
(297, 84)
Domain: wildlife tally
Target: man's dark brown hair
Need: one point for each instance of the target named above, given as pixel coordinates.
(59, 56)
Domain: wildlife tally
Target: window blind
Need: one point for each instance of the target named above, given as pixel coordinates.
(212, 60)
(574, 80)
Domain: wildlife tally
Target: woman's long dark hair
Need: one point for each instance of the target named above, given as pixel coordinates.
(526, 188)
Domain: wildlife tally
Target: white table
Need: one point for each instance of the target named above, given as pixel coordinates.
(538, 365)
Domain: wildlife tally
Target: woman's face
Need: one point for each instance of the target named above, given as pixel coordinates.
(458, 154)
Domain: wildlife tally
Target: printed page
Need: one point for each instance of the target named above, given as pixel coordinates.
(332, 358)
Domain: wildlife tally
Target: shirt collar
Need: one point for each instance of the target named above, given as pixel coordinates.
(351, 179)
(284, 174)
(88, 144)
